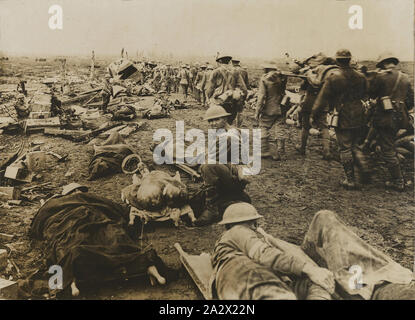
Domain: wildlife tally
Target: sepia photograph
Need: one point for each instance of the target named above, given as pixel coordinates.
(223, 151)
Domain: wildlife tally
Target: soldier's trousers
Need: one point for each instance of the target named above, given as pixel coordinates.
(386, 141)
(348, 141)
(266, 123)
(184, 88)
(223, 180)
(241, 278)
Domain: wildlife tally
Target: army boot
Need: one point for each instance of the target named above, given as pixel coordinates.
(397, 182)
(301, 147)
(265, 147)
(274, 151)
(349, 183)
(278, 150)
(210, 214)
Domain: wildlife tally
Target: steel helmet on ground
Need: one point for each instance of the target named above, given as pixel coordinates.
(239, 212)
(215, 111)
(386, 56)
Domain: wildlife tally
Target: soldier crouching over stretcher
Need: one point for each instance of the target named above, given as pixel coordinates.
(250, 264)
(223, 184)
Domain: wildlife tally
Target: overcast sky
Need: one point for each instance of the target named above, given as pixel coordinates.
(243, 28)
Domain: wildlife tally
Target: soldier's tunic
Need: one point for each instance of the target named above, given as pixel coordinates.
(184, 80)
(219, 81)
(270, 94)
(315, 79)
(344, 90)
(244, 74)
(198, 85)
(239, 83)
(387, 123)
(222, 79)
(248, 268)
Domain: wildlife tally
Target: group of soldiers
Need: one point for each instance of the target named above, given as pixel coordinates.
(361, 104)
(336, 92)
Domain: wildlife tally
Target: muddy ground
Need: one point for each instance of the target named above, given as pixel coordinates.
(286, 193)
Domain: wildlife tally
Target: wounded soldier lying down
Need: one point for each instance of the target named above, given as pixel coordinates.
(88, 237)
(247, 265)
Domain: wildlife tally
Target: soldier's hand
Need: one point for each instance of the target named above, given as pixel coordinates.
(320, 276)
(312, 122)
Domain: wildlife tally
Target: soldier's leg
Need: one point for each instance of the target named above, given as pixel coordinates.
(386, 138)
(325, 136)
(305, 128)
(203, 97)
(360, 157)
(281, 133)
(215, 177)
(265, 124)
(344, 142)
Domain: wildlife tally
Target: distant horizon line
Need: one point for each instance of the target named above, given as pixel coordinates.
(158, 56)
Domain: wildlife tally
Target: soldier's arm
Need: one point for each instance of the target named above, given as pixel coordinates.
(247, 81)
(241, 84)
(211, 84)
(261, 252)
(410, 97)
(323, 99)
(261, 97)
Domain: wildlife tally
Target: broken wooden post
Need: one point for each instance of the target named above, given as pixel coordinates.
(92, 74)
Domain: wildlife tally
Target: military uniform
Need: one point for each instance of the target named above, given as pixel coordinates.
(239, 83)
(270, 94)
(344, 91)
(312, 85)
(184, 81)
(246, 267)
(198, 84)
(388, 122)
(222, 185)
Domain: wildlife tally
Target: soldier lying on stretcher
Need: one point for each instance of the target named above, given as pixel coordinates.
(248, 265)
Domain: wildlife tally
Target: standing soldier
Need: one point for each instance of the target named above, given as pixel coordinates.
(244, 73)
(224, 78)
(343, 92)
(169, 78)
(321, 67)
(106, 93)
(198, 84)
(192, 76)
(184, 80)
(206, 77)
(268, 111)
(220, 79)
(176, 79)
(239, 83)
(395, 96)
